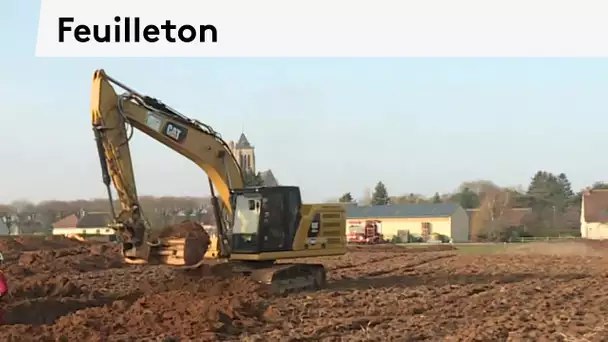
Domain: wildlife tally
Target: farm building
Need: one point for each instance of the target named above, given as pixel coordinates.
(92, 223)
(594, 214)
(419, 220)
(67, 222)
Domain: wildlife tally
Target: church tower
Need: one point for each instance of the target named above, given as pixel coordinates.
(244, 153)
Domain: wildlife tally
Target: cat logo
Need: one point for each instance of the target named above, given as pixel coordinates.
(315, 227)
(175, 132)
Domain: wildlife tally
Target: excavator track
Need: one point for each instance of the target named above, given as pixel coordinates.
(187, 254)
(289, 278)
(277, 278)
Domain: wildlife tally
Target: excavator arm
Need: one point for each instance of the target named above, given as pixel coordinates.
(113, 117)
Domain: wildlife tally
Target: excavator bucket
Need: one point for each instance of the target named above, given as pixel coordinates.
(188, 251)
(184, 244)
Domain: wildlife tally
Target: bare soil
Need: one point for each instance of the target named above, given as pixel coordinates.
(384, 293)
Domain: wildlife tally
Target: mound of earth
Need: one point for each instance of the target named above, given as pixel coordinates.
(44, 285)
(76, 259)
(34, 243)
(184, 306)
(183, 230)
(10, 245)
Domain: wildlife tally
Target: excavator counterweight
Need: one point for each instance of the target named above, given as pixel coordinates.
(255, 226)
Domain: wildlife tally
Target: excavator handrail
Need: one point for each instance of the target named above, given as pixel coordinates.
(156, 105)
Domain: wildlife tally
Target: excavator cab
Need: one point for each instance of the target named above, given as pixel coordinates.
(266, 219)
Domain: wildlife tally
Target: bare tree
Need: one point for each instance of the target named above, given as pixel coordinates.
(22, 206)
(7, 214)
(367, 196)
(490, 219)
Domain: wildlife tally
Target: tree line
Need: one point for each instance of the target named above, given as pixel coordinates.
(160, 211)
(547, 206)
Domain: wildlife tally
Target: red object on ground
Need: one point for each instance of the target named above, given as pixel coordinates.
(369, 234)
(3, 285)
(3, 292)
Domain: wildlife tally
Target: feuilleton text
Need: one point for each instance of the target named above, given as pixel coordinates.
(132, 30)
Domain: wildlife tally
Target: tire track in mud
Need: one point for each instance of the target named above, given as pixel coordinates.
(393, 276)
(436, 310)
(410, 266)
(46, 310)
(402, 261)
(387, 280)
(490, 298)
(49, 283)
(367, 260)
(510, 307)
(352, 324)
(374, 275)
(364, 263)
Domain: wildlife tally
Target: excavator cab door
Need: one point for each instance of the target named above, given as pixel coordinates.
(245, 231)
(278, 219)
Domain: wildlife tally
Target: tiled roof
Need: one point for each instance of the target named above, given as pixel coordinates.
(595, 204)
(66, 222)
(401, 210)
(268, 178)
(94, 220)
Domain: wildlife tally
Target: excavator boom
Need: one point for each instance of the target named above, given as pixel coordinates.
(113, 117)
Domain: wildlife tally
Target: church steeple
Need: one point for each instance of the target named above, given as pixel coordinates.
(244, 153)
(243, 142)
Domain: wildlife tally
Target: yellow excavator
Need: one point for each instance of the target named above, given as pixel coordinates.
(256, 226)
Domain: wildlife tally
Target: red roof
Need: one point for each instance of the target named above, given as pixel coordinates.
(595, 204)
(67, 222)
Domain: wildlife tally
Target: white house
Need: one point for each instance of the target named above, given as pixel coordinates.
(594, 214)
(90, 224)
(4, 229)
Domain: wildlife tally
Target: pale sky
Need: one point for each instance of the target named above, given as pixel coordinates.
(327, 125)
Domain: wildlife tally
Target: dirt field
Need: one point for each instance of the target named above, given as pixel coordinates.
(63, 290)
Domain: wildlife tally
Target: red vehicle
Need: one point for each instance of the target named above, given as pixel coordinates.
(368, 235)
(3, 288)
